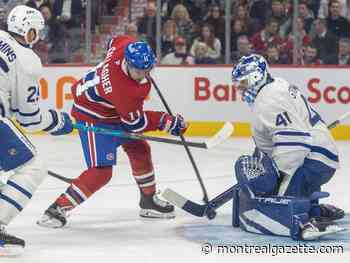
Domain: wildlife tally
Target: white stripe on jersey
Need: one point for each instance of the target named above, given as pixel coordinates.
(82, 108)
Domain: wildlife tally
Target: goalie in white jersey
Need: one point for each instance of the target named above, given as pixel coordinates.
(295, 155)
(20, 69)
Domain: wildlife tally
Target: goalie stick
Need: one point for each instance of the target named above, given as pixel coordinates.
(201, 210)
(198, 209)
(218, 138)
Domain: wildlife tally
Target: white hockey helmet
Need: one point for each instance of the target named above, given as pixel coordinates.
(22, 19)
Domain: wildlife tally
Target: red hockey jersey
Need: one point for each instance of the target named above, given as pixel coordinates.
(107, 94)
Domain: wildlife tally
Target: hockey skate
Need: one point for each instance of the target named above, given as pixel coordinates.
(154, 207)
(330, 212)
(10, 246)
(54, 217)
(316, 229)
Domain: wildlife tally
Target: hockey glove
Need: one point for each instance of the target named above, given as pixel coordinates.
(63, 123)
(174, 125)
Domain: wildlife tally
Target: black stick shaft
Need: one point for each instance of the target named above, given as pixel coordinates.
(190, 156)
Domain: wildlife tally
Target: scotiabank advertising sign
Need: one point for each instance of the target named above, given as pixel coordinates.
(207, 94)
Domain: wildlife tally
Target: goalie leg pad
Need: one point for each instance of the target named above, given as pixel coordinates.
(275, 215)
(19, 189)
(307, 179)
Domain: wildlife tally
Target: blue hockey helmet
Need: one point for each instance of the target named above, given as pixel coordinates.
(254, 69)
(140, 55)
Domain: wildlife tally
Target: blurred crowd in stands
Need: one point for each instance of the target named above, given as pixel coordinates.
(193, 31)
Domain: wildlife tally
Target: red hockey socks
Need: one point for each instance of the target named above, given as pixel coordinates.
(139, 153)
(84, 186)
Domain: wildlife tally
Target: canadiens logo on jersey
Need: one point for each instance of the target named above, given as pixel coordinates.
(110, 156)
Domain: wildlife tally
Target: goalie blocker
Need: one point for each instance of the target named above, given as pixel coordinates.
(256, 209)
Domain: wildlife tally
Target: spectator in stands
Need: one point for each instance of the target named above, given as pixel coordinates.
(278, 12)
(258, 10)
(251, 24)
(243, 48)
(53, 35)
(306, 14)
(69, 13)
(168, 37)
(324, 40)
(273, 55)
(36, 3)
(344, 9)
(342, 57)
(301, 37)
(336, 23)
(238, 29)
(3, 25)
(201, 54)
(9, 4)
(131, 30)
(217, 22)
(110, 6)
(269, 35)
(184, 25)
(147, 24)
(310, 56)
(180, 56)
(208, 37)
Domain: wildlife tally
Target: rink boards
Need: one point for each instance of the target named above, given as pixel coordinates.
(207, 98)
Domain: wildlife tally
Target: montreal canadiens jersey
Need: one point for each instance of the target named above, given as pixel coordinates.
(289, 130)
(106, 94)
(20, 69)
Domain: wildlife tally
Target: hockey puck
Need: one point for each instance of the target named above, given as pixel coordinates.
(211, 214)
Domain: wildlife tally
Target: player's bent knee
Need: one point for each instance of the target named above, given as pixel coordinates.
(20, 188)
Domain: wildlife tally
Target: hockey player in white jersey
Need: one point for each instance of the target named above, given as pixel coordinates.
(295, 155)
(20, 69)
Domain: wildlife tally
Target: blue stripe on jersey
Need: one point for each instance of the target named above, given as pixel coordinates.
(3, 65)
(26, 114)
(30, 123)
(20, 189)
(93, 95)
(89, 76)
(292, 133)
(11, 201)
(135, 125)
(317, 149)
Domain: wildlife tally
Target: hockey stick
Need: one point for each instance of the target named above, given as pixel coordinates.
(218, 138)
(198, 209)
(60, 177)
(190, 156)
(202, 210)
(336, 122)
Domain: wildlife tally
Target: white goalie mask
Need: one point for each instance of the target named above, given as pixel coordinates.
(22, 19)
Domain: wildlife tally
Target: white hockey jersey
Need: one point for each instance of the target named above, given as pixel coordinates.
(287, 128)
(20, 69)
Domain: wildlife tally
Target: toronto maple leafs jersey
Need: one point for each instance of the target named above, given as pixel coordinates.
(289, 130)
(20, 69)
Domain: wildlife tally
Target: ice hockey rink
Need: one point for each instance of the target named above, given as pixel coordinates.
(107, 227)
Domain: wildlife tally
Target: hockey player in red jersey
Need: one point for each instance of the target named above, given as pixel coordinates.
(111, 96)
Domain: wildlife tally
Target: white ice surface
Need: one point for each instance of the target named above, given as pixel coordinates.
(107, 227)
